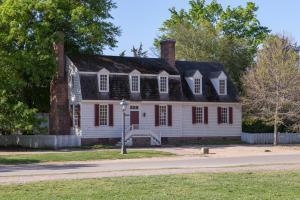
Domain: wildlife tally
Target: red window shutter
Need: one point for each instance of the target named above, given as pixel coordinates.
(111, 114)
(205, 115)
(194, 115)
(78, 114)
(230, 115)
(96, 114)
(156, 110)
(219, 115)
(170, 115)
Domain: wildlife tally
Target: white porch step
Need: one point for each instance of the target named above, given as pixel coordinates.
(138, 133)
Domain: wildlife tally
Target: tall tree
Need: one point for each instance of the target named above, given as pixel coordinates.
(207, 32)
(27, 33)
(138, 52)
(272, 86)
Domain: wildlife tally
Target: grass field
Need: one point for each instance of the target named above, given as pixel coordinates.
(79, 156)
(244, 186)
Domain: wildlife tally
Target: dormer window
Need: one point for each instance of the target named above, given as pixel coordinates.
(194, 80)
(197, 85)
(163, 84)
(222, 87)
(103, 82)
(219, 81)
(135, 83)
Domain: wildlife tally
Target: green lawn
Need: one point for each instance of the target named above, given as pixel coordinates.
(79, 156)
(271, 185)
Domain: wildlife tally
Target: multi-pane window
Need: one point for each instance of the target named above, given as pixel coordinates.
(103, 80)
(197, 83)
(162, 115)
(134, 83)
(224, 115)
(76, 116)
(199, 115)
(222, 86)
(163, 84)
(103, 115)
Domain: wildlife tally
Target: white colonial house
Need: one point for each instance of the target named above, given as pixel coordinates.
(169, 100)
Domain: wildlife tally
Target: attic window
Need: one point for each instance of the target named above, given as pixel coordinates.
(163, 84)
(222, 87)
(197, 86)
(135, 83)
(103, 83)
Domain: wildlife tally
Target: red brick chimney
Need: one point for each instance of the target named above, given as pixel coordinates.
(167, 51)
(59, 117)
(59, 52)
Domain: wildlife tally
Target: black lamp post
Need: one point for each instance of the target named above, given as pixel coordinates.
(124, 105)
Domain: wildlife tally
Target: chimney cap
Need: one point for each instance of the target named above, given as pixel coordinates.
(169, 40)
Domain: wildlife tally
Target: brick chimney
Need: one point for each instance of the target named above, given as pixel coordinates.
(59, 116)
(59, 52)
(167, 51)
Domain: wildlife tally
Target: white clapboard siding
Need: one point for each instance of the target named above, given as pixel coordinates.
(76, 89)
(212, 129)
(181, 125)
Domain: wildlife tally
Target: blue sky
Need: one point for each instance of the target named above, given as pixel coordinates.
(140, 20)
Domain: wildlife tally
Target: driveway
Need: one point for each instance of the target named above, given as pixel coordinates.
(149, 166)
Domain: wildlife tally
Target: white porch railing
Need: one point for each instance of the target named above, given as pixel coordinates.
(134, 131)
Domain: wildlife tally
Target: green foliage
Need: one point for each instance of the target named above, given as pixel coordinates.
(240, 22)
(15, 116)
(256, 126)
(28, 30)
(207, 32)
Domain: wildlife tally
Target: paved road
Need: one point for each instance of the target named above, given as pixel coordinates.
(152, 166)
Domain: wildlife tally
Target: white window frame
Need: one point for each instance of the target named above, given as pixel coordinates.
(160, 85)
(224, 115)
(225, 86)
(200, 85)
(100, 117)
(199, 115)
(76, 116)
(160, 115)
(107, 82)
(138, 84)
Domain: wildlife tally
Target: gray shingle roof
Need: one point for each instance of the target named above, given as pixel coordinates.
(178, 87)
(119, 64)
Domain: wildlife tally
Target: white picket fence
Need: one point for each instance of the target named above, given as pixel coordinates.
(267, 138)
(41, 141)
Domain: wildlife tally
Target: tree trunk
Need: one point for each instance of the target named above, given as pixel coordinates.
(275, 141)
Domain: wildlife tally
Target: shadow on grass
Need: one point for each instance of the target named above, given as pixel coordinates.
(17, 161)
